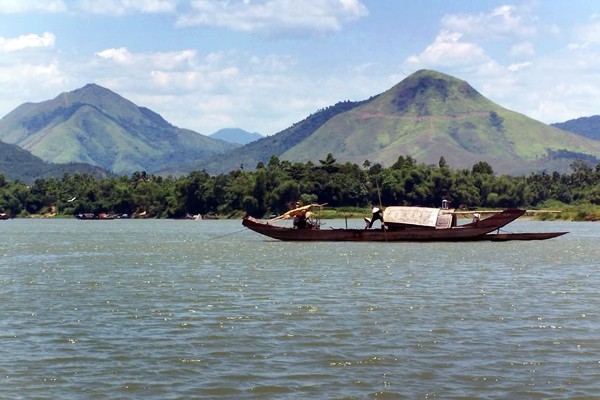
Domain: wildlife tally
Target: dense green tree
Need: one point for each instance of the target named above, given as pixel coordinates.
(328, 163)
(482, 168)
(276, 186)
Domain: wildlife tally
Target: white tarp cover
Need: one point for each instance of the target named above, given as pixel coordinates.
(421, 216)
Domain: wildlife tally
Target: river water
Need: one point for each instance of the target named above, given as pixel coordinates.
(161, 309)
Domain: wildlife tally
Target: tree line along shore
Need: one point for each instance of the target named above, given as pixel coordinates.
(348, 189)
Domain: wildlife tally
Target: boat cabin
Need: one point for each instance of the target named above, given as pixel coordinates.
(403, 217)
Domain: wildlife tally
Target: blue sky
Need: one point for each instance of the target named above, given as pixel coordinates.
(263, 65)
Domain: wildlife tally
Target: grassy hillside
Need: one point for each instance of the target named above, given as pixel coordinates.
(95, 125)
(429, 115)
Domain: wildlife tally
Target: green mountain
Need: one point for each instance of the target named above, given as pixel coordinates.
(95, 125)
(585, 126)
(428, 115)
(236, 135)
(16, 163)
(431, 115)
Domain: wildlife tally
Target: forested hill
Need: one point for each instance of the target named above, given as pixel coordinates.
(19, 164)
(584, 126)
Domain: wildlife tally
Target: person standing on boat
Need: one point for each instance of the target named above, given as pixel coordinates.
(377, 215)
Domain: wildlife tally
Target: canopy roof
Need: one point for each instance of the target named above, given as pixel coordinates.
(419, 216)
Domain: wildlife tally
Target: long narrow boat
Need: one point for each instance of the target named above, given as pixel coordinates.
(401, 224)
(506, 236)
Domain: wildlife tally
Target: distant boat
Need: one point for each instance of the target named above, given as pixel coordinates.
(4, 216)
(95, 217)
(401, 224)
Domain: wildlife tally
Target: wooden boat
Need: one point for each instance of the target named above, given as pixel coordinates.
(504, 237)
(401, 224)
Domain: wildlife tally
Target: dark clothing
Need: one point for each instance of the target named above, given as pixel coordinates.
(378, 215)
(300, 221)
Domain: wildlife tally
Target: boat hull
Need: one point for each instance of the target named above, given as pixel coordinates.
(465, 232)
(505, 237)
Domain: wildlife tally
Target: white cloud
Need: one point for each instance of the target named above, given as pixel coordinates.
(519, 66)
(104, 7)
(522, 49)
(563, 84)
(27, 41)
(170, 60)
(32, 82)
(41, 74)
(165, 72)
(122, 7)
(170, 81)
(24, 6)
(448, 50)
(567, 84)
(590, 33)
(279, 63)
(274, 15)
(554, 87)
(560, 83)
(504, 21)
(206, 92)
(29, 69)
(120, 55)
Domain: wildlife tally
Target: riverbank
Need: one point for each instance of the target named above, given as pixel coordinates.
(546, 212)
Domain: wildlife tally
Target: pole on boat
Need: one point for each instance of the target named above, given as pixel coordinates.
(381, 207)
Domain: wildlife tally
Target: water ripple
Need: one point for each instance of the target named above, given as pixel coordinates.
(175, 309)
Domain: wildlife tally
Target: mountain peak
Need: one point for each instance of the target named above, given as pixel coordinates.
(95, 125)
(92, 86)
(101, 98)
(92, 89)
(95, 91)
(427, 92)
